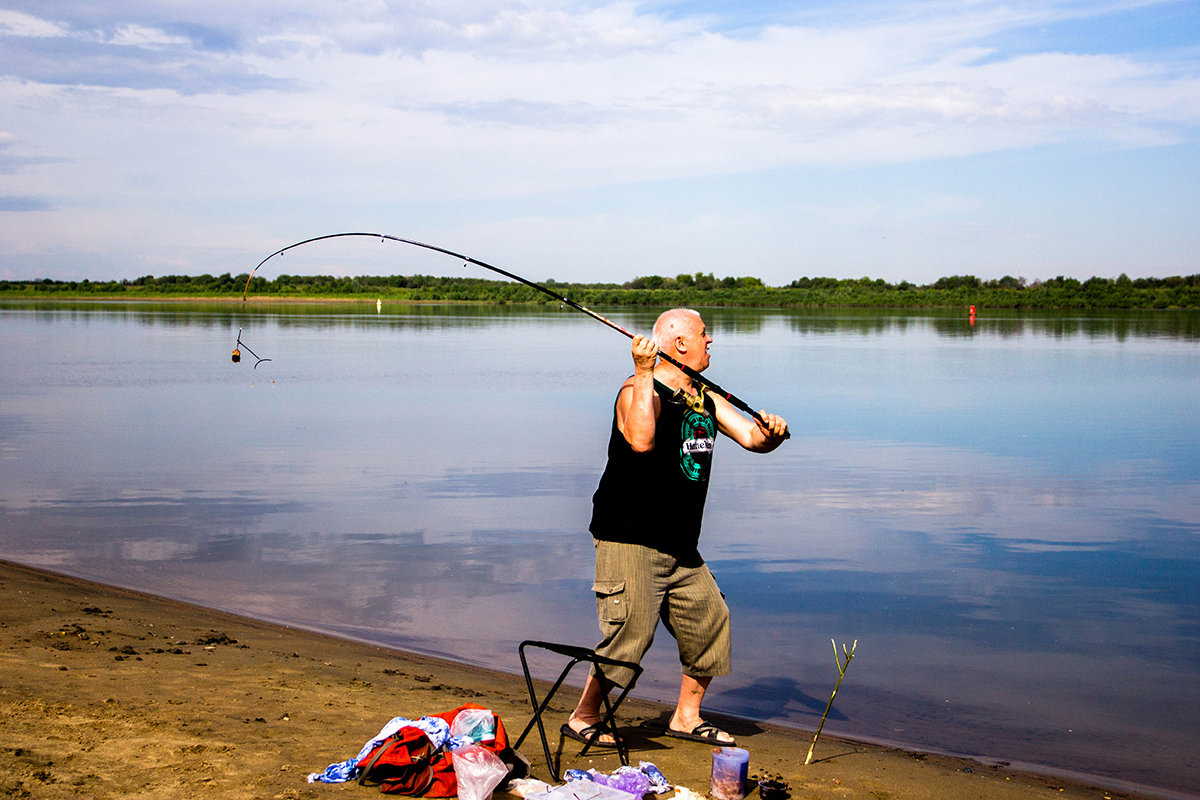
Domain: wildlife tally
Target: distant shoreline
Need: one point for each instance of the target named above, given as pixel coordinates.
(535, 303)
(960, 291)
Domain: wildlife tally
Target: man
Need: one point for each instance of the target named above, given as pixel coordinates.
(646, 516)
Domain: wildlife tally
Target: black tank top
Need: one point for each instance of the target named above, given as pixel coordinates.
(657, 498)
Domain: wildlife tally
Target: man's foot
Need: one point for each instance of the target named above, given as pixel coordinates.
(704, 732)
(582, 731)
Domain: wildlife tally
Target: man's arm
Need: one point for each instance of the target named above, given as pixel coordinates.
(637, 402)
(748, 432)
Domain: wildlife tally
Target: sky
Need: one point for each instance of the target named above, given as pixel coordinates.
(601, 141)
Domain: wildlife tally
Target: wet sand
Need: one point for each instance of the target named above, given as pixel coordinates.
(106, 693)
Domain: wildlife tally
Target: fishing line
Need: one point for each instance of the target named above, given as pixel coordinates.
(691, 373)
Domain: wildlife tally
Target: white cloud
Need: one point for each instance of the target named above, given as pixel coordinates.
(134, 35)
(16, 23)
(374, 110)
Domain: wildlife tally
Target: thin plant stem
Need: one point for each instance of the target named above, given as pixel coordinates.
(848, 654)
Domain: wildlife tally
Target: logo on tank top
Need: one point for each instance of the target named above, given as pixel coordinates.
(698, 433)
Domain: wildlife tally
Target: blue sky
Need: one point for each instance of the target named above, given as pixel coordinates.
(593, 141)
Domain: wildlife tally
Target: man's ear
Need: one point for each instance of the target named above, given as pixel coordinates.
(680, 344)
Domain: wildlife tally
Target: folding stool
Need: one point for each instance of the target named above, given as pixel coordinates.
(576, 655)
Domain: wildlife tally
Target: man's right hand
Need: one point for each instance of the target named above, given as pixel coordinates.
(645, 354)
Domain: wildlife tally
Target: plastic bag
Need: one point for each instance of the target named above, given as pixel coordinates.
(630, 779)
(524, 787)
(478, 770)
(477, 724)
(582, 790)
(637, 781)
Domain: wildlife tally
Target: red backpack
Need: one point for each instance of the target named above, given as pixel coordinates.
(407, 762)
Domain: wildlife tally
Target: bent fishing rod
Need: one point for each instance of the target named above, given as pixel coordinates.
(691, 373)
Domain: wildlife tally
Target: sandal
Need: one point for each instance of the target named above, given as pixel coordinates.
(704, 732)
(589, 735)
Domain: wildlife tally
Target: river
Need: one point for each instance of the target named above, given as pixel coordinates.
(1004, 515)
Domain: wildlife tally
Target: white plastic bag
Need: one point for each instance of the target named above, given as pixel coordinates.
(478, 724)
(583, 790)
(478, 771)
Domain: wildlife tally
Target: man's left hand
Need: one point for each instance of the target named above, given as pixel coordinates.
(772, 426)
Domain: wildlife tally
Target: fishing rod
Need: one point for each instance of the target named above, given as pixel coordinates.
(691, 373)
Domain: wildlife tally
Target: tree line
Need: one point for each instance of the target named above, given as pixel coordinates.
(697, 289)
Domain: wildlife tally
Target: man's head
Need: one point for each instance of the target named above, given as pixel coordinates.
(681, 334)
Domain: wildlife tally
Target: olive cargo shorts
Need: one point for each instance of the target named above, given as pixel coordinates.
(636, 586)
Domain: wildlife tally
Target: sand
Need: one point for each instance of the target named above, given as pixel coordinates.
(106, 693)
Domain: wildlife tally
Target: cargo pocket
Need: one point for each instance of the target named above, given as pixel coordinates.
(610, 601)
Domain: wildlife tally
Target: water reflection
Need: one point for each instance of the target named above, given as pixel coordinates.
(1004, 516)
(1118, 325)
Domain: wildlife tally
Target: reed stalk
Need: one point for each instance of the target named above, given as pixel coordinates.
(841, 665)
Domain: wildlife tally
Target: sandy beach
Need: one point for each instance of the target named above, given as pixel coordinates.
(107, 693)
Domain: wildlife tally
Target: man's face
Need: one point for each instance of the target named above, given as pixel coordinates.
(697, 340)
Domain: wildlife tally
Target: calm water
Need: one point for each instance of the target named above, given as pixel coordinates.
(1006, 516)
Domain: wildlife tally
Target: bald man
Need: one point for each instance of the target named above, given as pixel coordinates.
(646, 516)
